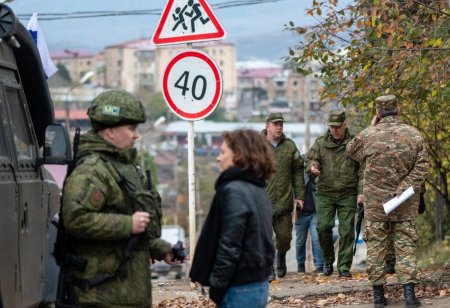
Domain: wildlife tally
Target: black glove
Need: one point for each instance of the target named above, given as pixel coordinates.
(217, 295)
(421, 204)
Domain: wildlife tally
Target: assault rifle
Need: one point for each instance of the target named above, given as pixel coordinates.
(360, 208)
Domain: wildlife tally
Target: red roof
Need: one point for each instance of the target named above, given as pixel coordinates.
(79, 114)
(69, 54)
(140, 44)
(259, 72)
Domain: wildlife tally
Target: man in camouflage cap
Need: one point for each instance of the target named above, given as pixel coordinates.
(395, 159)
(339, 189)
(110, 212)
(286, 189)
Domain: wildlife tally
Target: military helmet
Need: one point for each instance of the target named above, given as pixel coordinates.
(115, 108)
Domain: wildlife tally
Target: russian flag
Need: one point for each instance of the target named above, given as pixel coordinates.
(35, 31)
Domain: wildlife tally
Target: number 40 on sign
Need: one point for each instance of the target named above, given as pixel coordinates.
(192, 85)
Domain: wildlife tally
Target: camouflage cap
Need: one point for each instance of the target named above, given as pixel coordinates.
(115, 108)
(275, 117)
(336, 118)
(386, 103)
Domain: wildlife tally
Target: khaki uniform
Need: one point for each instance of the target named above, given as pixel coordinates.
(395, 158)
(287, 184)
(338, 185)
(97, 213)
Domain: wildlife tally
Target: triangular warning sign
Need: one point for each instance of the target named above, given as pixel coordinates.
(185, 21)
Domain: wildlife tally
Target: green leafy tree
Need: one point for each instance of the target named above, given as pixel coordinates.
(378, 47)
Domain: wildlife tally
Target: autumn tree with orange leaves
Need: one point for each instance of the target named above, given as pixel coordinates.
(377, 47)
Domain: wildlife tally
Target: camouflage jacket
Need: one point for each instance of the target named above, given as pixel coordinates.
(97, 213)
(395, 159)
(340, 175)
(288, 182)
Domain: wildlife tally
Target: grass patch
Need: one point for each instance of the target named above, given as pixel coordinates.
(437, 257)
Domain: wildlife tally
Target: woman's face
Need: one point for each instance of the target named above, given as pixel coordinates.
(225, 157)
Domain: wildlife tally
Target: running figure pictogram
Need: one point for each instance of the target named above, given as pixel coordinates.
(179, 18)
(195, 14)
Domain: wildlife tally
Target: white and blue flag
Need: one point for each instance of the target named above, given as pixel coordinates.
(36, 32)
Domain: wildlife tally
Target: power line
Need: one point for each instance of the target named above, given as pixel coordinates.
(156, 12)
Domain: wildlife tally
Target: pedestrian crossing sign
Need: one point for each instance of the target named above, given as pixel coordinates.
(185, 21)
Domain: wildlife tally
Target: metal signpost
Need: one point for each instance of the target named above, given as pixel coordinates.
(192, 83)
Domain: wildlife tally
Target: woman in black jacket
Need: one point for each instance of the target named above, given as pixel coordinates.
(235, 250)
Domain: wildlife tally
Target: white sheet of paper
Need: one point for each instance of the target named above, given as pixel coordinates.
(396, 201)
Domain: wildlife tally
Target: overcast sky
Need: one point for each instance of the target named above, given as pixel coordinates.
(257, 30)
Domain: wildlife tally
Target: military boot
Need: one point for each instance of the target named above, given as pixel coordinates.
(411, 300)
(281, 264)
(379, 301)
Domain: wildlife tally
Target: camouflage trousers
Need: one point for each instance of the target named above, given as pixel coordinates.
(282, 226)
(390, 252)
(404, 238)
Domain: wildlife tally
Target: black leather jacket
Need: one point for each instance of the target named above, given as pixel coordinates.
(235, 246)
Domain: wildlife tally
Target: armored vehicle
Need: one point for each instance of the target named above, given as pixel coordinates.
(29, 195)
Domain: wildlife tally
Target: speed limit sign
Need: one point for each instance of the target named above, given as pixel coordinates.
(192, 85)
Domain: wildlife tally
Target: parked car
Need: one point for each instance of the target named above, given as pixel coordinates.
(172, 234)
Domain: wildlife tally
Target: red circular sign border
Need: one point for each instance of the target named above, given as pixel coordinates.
(205, 112)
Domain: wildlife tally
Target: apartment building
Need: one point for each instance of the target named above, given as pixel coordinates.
(250, 89)
(264, 88)
(130, 66)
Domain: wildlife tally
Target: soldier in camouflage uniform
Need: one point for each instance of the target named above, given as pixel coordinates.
(286, 188)
(105, 201)
(339, 188)
(395, 158)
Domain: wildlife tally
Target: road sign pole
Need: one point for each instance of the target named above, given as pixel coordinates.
(191, 180)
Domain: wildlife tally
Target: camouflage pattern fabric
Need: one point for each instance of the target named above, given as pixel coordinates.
(97, 214)
(114, 108)
(345, 207)
(404, 237)
(390, 251)
(282, 227)
(287, 184)
(395, 158)
(340, 175)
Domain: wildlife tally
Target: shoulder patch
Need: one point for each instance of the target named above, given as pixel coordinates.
(97, 198)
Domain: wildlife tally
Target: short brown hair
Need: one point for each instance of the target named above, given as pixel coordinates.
(251, 152)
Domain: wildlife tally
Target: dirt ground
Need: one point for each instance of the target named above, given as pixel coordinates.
(311, 290)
